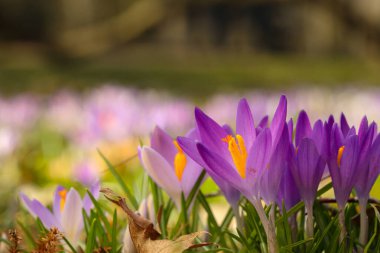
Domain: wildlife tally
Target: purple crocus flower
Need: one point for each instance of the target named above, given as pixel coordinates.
(239, 160)
(343, 157)
(288, 192)
(67, 211)
(231, 194)
(168, 165)
(270, 179)
(248, 157)
(368, 169)
(342, 163)
(307, 162)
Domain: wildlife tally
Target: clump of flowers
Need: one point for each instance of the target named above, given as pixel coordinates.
(272, 175)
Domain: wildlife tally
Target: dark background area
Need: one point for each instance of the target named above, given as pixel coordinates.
(189, 47)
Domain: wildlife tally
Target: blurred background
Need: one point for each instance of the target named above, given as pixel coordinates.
(77, 76)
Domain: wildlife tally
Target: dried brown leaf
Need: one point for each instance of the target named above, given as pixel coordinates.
(145, 237)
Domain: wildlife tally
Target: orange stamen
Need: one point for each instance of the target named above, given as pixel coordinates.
(340, 154)
(62, 194)
(180, 161)
(238, 153)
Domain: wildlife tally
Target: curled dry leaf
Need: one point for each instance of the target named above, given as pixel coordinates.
(145, 237)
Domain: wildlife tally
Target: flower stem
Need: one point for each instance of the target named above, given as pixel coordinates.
(238, 217)
(293, 226)
(343, 230)
(309, 220)
(268, 226)
(363, 237)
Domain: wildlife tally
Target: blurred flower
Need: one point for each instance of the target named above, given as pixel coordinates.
(168, 165)
(86, 173)
(67, 211)
(9, 140)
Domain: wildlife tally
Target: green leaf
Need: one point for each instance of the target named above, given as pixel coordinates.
(28, 234)
(91, 239)
(203, 201)
(195, 189)
(69, 244)
(296, 244)
(100, 212)
(117, 176)
(367, 247)
(324, 233)
(114, 233)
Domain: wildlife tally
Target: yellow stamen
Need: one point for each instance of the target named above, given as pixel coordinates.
(62, 194)
(179, 161)
(340, 154)
(238, 152)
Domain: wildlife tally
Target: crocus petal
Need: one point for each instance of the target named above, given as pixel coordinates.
(368, 174)
(290, 128)
(351, 132)
(161, 172)
(344, 125)
(244, 123)
(303, 127)
(190, 176)
(189, 146)
(330, 121)
(72, 220)
(211, 133)
(278, 121)
(346, 171)
(163, 144)
(288, 192)
(271, 179)
(193, 134)
(363, 129)
(87, 202)
(219, 166)
(350, 159)
(36, 209)
(57, 202)
(258, 157)
(374, 166)
(337, 139)
(309, 169)
(228, 129)
(264, 122)
(318, 135)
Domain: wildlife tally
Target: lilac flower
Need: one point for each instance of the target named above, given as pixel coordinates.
(67, 211)
(167, 164)
(86, 173)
